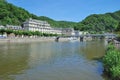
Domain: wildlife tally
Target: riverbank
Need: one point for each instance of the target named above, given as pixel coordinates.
(111, 62)
(27, 39)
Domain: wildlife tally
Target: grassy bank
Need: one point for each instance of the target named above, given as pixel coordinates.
(111, 62)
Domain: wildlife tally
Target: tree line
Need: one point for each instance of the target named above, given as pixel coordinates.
(19, 33)
(108, 22)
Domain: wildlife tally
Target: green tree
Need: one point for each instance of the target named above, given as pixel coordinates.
(16, 33)
(118, 27)
(8, 31)
(37, 33)
(2, 31)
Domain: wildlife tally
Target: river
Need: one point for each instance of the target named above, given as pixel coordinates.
(51, 60)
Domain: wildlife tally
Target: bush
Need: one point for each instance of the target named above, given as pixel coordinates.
(110, 47)
(115, 71)
(111, 62)
(112, 58)
(9, 31)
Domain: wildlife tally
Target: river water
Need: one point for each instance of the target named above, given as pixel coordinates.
(51, 60)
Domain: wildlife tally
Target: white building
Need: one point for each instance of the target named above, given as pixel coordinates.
(41, 26)
(2, 27)
(13, 27)
(68, 31)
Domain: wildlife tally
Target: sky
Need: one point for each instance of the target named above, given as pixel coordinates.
(68, 10)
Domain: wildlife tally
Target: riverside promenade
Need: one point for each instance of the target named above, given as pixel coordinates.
(29, 39)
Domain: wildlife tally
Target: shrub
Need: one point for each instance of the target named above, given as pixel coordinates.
(115, 71)
(110, 47)
(111, 62)
(112, 58)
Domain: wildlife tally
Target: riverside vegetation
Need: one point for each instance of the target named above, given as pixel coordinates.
(25, 33)
(95, 23)
(111, 62)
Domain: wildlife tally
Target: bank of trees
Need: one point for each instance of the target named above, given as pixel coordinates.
(10, 14)
(20, 33)
(100, 22)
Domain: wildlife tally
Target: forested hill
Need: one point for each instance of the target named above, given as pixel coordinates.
(53, 23)
(10, 14)
(100, 22)
(13, 15)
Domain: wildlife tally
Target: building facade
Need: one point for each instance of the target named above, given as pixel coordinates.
(2, 27)
(13, 27)
(68, 31)
(41, 26)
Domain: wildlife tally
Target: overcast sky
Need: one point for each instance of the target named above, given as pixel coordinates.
(69, 10)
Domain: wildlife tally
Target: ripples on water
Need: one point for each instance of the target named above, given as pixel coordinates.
(51, 61)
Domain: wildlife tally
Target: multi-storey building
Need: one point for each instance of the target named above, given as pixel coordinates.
(41, 26)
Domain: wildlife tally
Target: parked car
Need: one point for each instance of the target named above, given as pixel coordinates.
(2, 36)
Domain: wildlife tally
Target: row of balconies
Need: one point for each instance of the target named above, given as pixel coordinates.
(36, 25)
(46, 30)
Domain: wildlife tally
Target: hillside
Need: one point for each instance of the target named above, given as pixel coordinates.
(13, 15)
(100, 22)
(10, 14)
(63, 24)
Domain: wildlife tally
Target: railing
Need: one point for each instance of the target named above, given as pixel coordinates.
(91, 35)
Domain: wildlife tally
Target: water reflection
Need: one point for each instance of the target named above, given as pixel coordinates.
(51, 61)
(93, 50)
(12, 60)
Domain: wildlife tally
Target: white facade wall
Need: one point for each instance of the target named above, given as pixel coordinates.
(14, 27)
(42, 26)
(2, 27)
